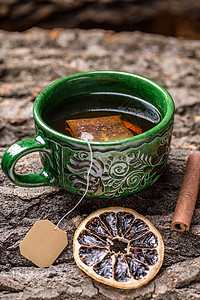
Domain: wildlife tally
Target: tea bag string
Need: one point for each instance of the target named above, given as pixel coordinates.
(87, 186)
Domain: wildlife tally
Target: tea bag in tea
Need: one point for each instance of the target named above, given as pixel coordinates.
(108, 128)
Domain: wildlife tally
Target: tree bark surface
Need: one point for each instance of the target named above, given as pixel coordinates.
(172, 17)
(30, 61)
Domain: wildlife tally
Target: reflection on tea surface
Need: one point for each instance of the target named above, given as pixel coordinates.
(116, 115)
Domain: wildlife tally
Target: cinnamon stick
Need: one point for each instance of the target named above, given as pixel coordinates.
(188, 194)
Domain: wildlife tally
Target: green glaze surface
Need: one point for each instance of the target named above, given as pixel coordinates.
(120, 167)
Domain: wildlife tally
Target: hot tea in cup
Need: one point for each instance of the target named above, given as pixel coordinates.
(130, 148)
(120, 116)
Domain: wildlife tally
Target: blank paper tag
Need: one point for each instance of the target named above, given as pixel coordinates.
(43, 243)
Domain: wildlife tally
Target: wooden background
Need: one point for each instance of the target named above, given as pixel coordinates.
(31, 60)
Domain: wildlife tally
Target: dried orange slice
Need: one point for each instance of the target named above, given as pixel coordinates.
(119, 247)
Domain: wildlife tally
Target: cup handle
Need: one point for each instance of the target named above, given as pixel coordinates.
(18, 150)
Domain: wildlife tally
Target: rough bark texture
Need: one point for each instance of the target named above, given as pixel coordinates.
(29, 61)
(172, 17)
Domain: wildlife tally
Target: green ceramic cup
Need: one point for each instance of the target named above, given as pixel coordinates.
(120, 167)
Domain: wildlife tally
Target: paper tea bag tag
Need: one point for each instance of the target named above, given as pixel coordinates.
(43, 243)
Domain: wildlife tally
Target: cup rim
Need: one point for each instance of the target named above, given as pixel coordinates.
(57, 135)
